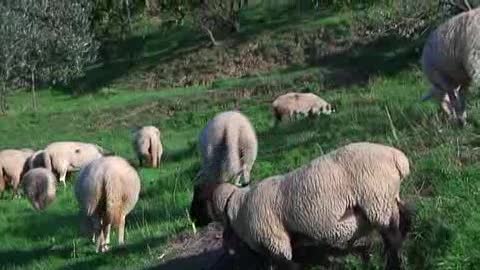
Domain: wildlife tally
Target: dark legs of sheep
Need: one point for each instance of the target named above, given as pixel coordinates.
(392, 241)
(458, 102)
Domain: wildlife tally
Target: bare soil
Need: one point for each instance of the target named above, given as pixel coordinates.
(204, 250)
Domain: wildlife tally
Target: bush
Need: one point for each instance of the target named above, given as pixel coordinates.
(408, 18)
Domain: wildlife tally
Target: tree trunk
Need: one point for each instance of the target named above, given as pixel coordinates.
(210, 35)
(3, 99)
(34, 94)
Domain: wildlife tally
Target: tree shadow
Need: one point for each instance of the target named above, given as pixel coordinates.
(10, 259)
(180, 154)
(100, 260)
(49, 224)
(119, 57)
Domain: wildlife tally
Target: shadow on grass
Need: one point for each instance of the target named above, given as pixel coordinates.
(120, 57)
(99, 260)
(433, 237)
(180, 154)
(12, 259)
(40, 225)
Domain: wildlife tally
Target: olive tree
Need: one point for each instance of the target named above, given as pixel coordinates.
(52, 39)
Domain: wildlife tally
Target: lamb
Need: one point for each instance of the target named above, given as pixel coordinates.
(292, 104)
(107, 190)
(148, 146)
(63, 157)
(451, 62)
(334, 201)
(12, 163)
(228, 148)
(39, 185)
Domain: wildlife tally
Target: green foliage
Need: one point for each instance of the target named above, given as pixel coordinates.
(375, 84)
(45, 41)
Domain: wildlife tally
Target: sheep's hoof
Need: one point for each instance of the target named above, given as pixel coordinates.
(103, 249)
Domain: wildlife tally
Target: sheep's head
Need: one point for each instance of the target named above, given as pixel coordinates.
(201, 207)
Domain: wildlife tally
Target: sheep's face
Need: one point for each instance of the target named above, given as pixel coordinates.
(201, 207)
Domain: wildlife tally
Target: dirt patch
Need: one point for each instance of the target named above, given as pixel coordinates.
(204, 250)
(239, 58)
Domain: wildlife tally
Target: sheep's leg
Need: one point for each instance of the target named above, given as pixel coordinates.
(121, 231)
(140, 161)
(100, 241)
(446, 106)
(392, 240)
(63, 177)
(107, 234)
(461, 106)
(15, 182)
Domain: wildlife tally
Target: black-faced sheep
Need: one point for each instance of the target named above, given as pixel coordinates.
(39, 185)
(451, 62)
(148, 146)
(334, 201)
(107, 189)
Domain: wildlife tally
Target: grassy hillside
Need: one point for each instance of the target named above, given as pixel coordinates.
(375, 84)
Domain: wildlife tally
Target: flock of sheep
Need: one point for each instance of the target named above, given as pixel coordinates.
(336, 201)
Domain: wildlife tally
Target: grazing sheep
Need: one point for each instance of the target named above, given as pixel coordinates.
(12, 163)
(63, 157)
(107, 190)
(292, 104)
(451, 62)
(39, 185)
(148, 146)
(334, 201)
(228, 148)
(37, 160)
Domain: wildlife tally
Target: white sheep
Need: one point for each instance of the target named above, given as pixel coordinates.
(228, 147)
(107, 190)
(63, 157)
(12, 164)
(335, 200)
(293, 104)
(148, 146)
(451, 62)
(39, 185)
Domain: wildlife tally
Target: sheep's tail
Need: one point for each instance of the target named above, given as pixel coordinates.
(154, 151)
(233, 158)
(402, 164)
(113, 202)
(406, 215)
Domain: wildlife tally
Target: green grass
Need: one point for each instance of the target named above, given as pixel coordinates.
(376, 88)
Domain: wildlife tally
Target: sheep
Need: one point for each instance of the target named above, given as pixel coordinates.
(36, 160)
(12, 163)
(63, 157)
(148, 146)
(39, 185)
(107, 190)
(228, 148)
(292, 104)
(451, 62)
(333, 201)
